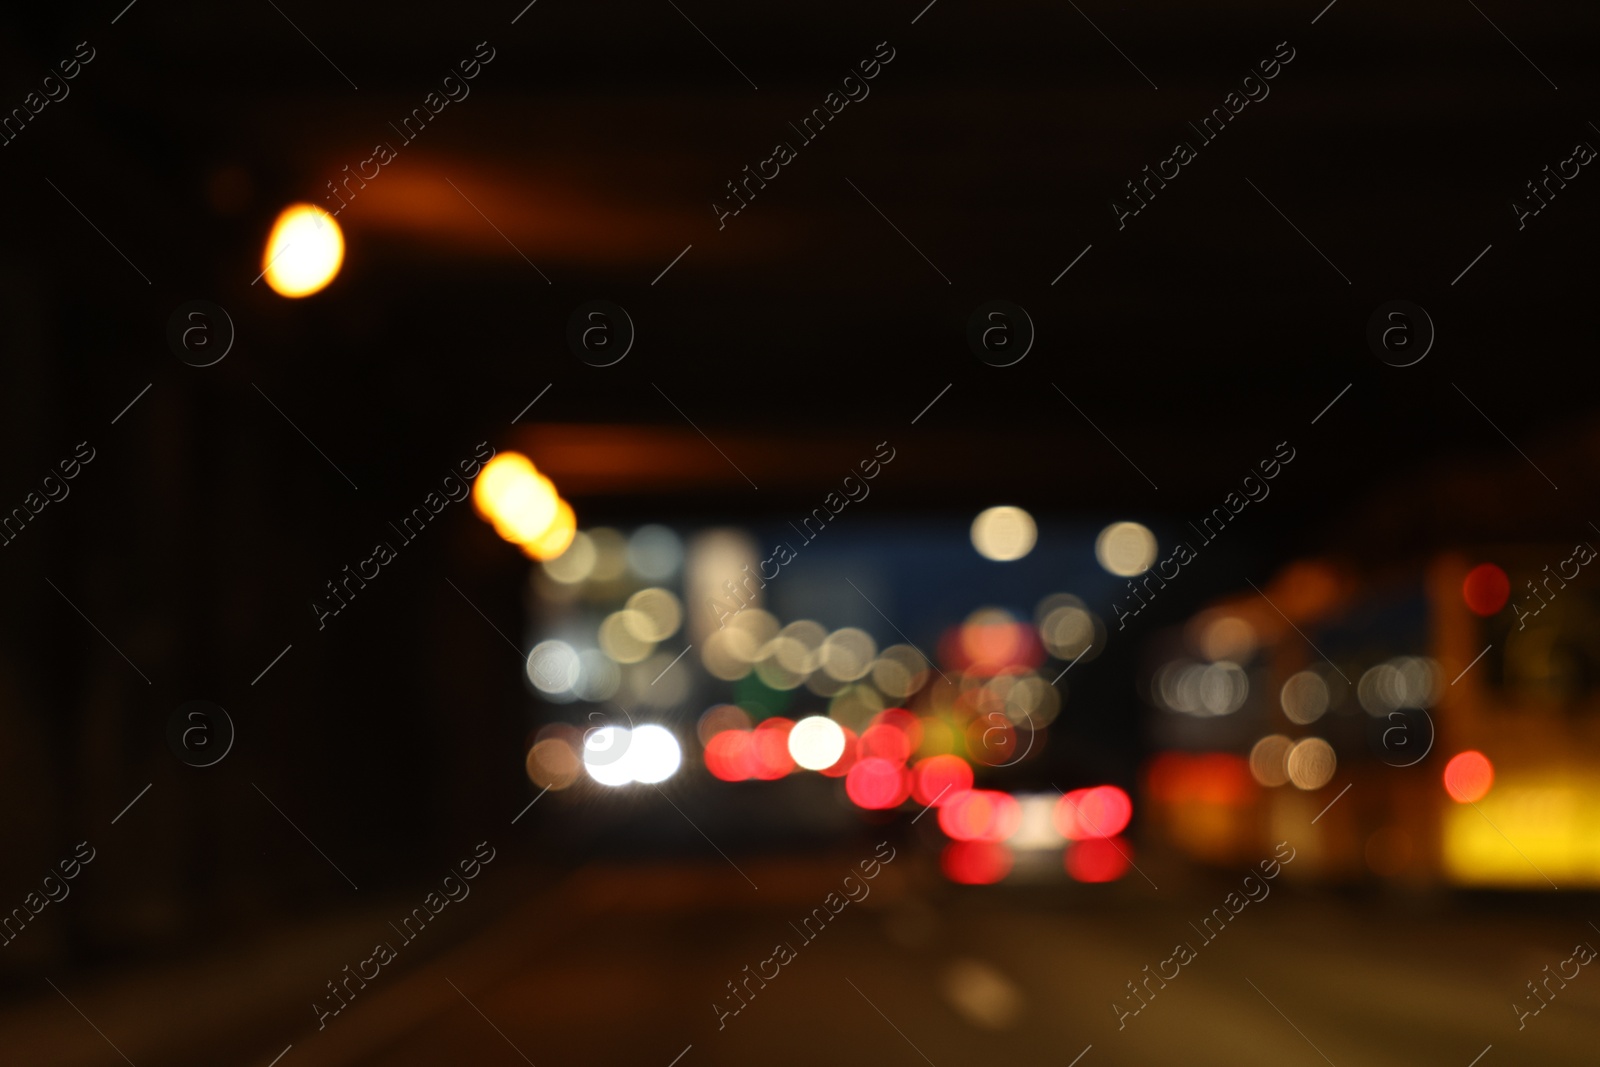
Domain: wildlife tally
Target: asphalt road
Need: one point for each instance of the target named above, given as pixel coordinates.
(626, 968)
(623, 966)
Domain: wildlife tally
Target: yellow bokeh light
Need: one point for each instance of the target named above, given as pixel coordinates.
(557, 536)
(653, 614)
(1004, 533)
(1125, 549)
(304, 251)
(523, 505)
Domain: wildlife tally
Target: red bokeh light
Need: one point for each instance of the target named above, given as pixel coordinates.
(1084, 814)
(728, 755)
(904, 721)
(1486, 589)
(769, 749)
(980, 815)
(938, 779)
(847, 758)
(1468, 776)
(883, 741)
(975, 862)
(1098, 860)
(875, 783)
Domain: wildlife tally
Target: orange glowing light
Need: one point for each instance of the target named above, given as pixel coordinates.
(1207, 778)
(1468, 776)
(991, 641)
(304, 251)
(1486, 589)
(975, 862)
(1098, 860)
(523, 506)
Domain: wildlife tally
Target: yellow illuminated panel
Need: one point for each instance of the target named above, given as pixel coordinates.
(1528, 832)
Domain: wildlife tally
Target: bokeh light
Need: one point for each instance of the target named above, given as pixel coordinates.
(991, 640)
(598, 676)
(552, 764)
(1004, 533)
(1304, 697)
(611, 553)
(556, 537)
(816, 742)
(876, 784)
(654, 755)
(1067, 628)
(553, 667)
(937, 779)
(1125, 549)
(1100, 811)
(1038, 829)
(605, 755)
(1225, 636)
(975, 862)
(519, 502)
(1468, 776)
(884, 741)
(899, 671)
(617, 755)
(654, 553)
(720, 717)
(847, 759)
(575, 563)
(653, 614)
(1201, 689)
(980, 815)
(304, 251)
(1486, 589)
(847, 654)
(618, 636)
(1098, 860)
(1269, 760)
(1402, 682)
(1311, 763)
(730, 755)
(769, 749)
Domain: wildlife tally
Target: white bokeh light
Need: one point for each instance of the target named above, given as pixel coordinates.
(616, 755)
(654, 755)
(606, 752)
(816, 742)
(553, 667)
